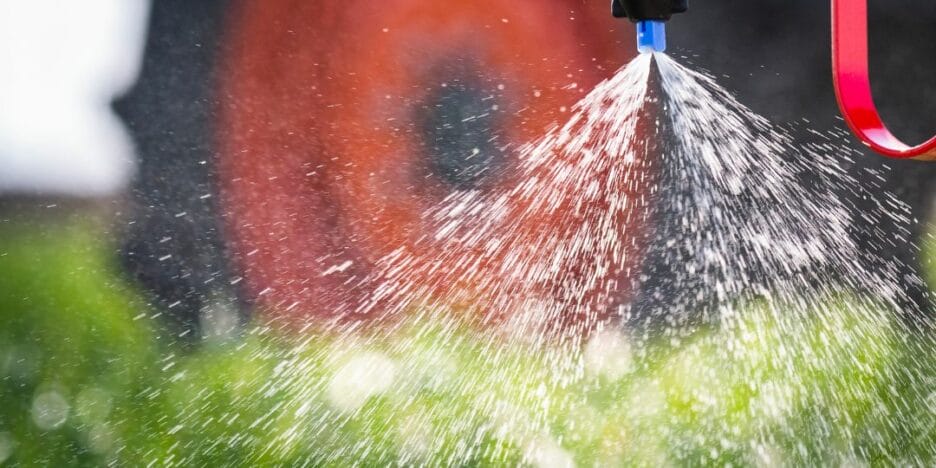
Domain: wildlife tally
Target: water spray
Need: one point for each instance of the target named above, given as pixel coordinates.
(651, 17)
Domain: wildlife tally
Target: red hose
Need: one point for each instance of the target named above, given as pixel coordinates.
(853, 87)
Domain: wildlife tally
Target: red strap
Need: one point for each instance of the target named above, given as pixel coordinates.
(853, 87)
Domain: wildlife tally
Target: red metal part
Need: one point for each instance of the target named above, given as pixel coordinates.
(853, 86)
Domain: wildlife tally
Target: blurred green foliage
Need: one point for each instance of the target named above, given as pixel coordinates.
(72, 354)
(86, 380)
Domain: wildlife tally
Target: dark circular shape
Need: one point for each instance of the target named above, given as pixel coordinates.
(461, 130)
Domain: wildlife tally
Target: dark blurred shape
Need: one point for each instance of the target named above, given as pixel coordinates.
(461, 134)
(174, 246)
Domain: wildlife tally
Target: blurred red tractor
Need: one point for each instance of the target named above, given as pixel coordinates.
(343, 122)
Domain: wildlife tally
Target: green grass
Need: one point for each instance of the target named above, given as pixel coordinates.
(68, 333)
(839, 387)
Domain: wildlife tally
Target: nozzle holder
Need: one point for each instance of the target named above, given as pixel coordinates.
(853, 85)
(644, 10)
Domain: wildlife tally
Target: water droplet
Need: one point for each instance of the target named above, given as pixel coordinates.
(50, 410)
(364, 376)
(608, 354)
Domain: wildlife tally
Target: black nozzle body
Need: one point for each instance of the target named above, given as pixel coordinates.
(643, 10)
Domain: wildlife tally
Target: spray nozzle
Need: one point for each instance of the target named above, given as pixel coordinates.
(651, 36)
(651, 17)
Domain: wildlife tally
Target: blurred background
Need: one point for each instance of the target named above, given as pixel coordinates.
(172, 171)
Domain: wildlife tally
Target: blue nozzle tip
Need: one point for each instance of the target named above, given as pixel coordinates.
(651, 36)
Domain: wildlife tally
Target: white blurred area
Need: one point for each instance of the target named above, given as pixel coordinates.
(62, 62)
